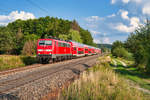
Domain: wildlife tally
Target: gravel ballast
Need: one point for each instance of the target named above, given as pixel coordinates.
(39, 88)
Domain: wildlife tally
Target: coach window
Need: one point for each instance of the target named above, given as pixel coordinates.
(64, 44)
(68, 45)
(74, 48)
(59, 44)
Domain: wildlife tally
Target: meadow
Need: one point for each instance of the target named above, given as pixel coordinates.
(102, 82)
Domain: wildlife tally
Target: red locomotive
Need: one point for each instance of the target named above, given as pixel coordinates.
(53, 49)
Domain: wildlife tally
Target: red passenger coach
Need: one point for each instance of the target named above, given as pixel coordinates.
(78, 49)
(53, 49)
(86, 48)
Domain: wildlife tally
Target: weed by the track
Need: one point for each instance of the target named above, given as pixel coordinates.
(101, 83)
(12, 61)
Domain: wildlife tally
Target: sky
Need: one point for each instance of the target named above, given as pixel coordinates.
(107, 20)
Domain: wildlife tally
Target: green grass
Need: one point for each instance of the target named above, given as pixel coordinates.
(132, 73)
(12, 61)
(101, 83)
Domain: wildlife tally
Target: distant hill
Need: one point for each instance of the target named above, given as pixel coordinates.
(109, 46)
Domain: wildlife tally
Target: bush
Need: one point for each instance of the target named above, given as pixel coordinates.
(138, 43)
(28, 60)
(29, 48)
(122, 52)
(10, 61)
(13, 61)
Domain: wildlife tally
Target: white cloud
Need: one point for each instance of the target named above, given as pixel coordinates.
(3, 24)
(14, 15)
(137, 1)
(124, 14)
(94, 32)
(96, 41)
(125, 1)
(123, 28)
(146, 9)
(3, 17)
(93, 19)
(113, 1)
(106, 40)
(110, 16)
(134, 23)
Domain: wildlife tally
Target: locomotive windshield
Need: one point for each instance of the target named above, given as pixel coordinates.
(45, 42)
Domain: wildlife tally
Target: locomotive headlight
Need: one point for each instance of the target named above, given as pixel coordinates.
(48, 50)
(40, 49)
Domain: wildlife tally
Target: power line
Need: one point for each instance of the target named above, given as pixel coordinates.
(36, 5)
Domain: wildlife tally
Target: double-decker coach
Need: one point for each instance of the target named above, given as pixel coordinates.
(86, 50)
(77, 49)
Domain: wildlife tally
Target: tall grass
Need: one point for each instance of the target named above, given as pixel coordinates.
(101, 83)
(12, 61)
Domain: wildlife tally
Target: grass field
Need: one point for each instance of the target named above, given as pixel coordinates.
(101, 82)
(12, 61)
(132, 73)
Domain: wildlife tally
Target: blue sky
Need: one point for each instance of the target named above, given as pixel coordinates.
(107, 20)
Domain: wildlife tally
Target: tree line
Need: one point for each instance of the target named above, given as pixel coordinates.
(20, 36)
(136, 47)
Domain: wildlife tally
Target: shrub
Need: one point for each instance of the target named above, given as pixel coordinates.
(13, 61)
(122, 52)
(29, 48)
(28, 60)
(10, 61)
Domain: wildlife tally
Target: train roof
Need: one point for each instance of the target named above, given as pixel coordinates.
(74, 42)
(77, 44)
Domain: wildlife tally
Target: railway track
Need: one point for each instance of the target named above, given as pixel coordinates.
(9, 84)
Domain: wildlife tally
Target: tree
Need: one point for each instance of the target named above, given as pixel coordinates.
(24, 30)
(62, 36)
(75, 26)
(7, 43)
(139, 44)
(116, 44)
(75, 36)
(86, 37)
(29, 48)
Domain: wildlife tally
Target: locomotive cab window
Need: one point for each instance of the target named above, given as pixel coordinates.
(45, 42)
